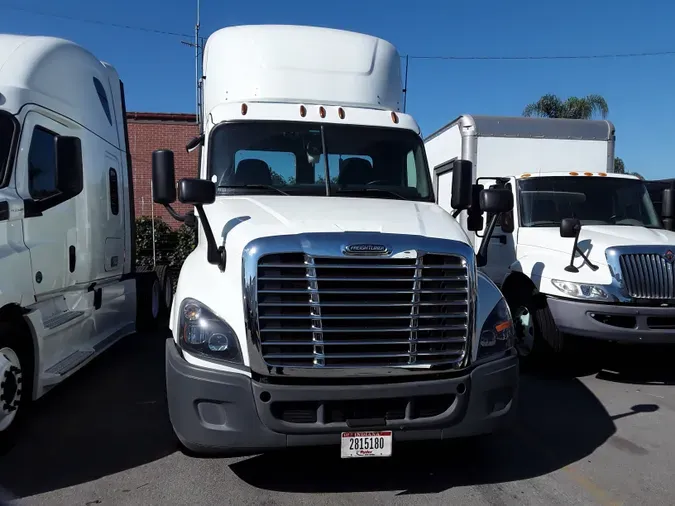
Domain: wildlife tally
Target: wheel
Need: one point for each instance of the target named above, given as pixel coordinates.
(148, 301)
(537, 335)
(166, 285)
(16, 373)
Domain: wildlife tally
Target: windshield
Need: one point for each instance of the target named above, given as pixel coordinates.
(545, 201)
(7, 132)
(288, 158)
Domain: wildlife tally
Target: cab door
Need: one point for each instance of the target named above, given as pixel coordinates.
(49, 177)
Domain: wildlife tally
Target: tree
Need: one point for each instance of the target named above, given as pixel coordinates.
(551, 106)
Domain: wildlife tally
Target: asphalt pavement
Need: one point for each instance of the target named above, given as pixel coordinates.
(599, 433)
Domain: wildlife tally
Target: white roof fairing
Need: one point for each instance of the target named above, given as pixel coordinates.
(301, 64)
(57, 74)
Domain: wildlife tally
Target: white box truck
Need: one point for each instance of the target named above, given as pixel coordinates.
(583, 252)
(68, 285)
(329, 300)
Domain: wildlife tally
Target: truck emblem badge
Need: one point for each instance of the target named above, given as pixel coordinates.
(366, 249)
(669, 255)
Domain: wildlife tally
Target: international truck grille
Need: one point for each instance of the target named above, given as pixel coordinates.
(362, 312)
(648, 276)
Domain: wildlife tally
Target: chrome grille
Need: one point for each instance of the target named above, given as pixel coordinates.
(648, 276)
(362, 312)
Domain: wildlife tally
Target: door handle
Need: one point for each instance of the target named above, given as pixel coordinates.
(502, 238)
(71, 258)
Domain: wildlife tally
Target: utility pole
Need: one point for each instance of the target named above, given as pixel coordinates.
(197, 45)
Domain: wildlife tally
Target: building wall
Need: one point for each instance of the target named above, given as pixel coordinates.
(151, 131)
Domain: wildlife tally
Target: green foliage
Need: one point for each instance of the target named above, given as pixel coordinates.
(171, 246)
(619, 166)
(551, 106)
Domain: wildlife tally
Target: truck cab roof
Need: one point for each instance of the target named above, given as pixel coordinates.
(43, 70)
(302, 65)
(580, 173)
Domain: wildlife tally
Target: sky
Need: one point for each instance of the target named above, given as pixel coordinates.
(159, 75)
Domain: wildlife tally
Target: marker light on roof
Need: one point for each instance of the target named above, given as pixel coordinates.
(601, 174)
(574, 173)
(588, 173)
(526, 175)
(303, 111)
(322, 112)
(394, 117)
(341, 113)
(244, 109)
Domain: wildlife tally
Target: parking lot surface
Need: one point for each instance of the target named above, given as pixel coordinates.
(603, 435)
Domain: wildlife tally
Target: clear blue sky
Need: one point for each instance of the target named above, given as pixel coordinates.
(159, 71)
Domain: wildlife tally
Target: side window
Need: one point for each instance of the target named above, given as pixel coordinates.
(42, 176)
(103, 97)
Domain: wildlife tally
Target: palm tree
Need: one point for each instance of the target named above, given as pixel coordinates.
(551, 106)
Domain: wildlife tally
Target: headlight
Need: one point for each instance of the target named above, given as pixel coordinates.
(203, 333)
(497, 334)
(581, 291)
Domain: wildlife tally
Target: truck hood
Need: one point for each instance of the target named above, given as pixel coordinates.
(241, 219)
(594, 239)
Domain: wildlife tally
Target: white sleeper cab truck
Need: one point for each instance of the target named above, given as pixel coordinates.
(329, 299)
(583, 252)
(68, 287)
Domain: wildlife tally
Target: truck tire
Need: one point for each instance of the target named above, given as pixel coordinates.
(16, 382)
(166, 286)
(148, 301)
(537, 335)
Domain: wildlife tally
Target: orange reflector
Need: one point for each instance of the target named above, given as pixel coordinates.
(303, 111)
(322, 112)
(527, 174)
(574, 173)
(602, 174)
(394, 117)
(502, 326)
(341, 113)
(588, 173)
(244, 109)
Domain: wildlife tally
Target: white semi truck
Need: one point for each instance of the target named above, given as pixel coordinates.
(329, 299)
(583, 252)
(68, 285)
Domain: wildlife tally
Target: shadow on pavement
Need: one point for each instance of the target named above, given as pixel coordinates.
(108, 417)
(637, 365)
(560, 422)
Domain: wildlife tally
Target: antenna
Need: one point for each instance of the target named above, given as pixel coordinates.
(197, 45)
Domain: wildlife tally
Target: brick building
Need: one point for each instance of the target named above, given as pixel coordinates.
(149, 131)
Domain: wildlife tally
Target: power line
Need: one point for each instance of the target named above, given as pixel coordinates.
(411, 56)
(94, 21)
(561, 57)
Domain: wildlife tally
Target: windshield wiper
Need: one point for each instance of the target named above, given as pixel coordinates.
(256, 187)
(365, 190)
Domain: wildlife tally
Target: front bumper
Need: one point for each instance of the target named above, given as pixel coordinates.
(609, 322)
(214, 411)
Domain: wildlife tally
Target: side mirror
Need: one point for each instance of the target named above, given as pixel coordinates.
(196, 191)
(163, 177)
(570, 227)
(69, 173)
(462, 183)
(496, 200)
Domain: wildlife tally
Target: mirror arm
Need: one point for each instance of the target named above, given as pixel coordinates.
(456, 212)
(576, 249)
(481, 256)
(215, 254)
(175, 215)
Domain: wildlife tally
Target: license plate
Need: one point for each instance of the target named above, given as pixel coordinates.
(366, 444)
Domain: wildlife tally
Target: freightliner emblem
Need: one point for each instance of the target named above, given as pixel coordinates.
(669, 255)
(366, 249)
